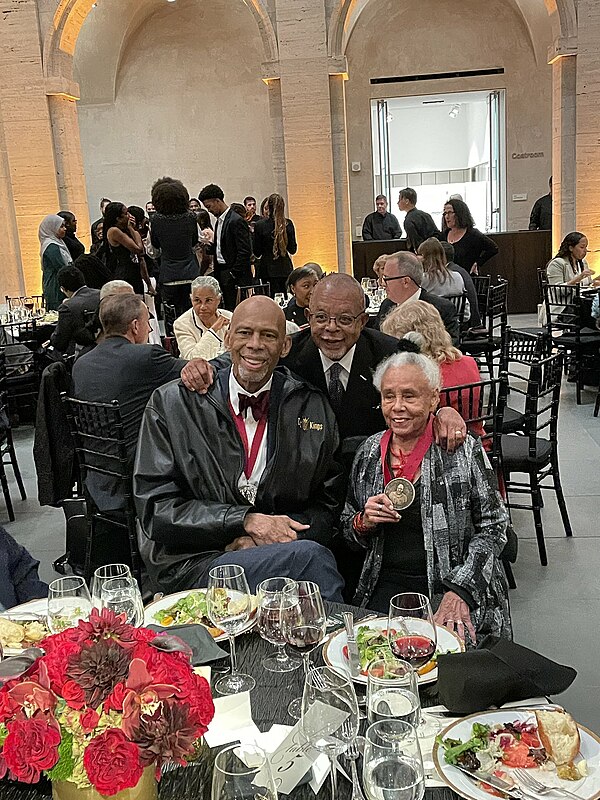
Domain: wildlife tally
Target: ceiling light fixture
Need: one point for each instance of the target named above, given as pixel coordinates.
(454, 111)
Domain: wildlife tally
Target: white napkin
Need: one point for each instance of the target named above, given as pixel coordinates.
(232, 721)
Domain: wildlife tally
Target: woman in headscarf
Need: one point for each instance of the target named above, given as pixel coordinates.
(55, 255)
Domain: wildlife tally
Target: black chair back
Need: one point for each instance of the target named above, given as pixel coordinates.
(459, 301)
(542, 278)
(521, 347)
(543, 400)
(170, 317)
(482, 286)
(244, 292)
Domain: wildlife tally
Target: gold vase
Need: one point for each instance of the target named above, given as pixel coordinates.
(146, 789)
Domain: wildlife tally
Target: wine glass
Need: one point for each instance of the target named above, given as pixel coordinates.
(122, 595)
(411, 630)
(103, 574)
(68, 601)
(269, 624)
(392, 763)
(392, 691)
(242, 771)
(228, 602)
(329, 715)
(304, 622)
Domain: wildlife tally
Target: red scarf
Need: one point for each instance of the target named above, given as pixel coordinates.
(413, 463)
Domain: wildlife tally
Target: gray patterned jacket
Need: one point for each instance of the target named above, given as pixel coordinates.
(464, 528)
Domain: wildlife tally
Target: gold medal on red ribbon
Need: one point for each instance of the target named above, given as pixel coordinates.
(401, 492)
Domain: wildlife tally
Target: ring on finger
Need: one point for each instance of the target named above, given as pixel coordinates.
(458, 433)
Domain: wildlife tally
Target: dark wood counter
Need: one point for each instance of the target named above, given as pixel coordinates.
(520, 253)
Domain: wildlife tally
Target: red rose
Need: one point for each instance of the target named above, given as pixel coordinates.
(31, 747)
(112, 762)
(114, 701)
(56, 661)
(89, 719)
(202, 707)
(73, 694)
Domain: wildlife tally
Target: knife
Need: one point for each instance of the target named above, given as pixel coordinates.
(508, 789)
(353, 656)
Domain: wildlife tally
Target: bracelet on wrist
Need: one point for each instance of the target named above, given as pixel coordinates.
(358, 523)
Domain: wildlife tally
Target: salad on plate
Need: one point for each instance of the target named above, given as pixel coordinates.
(191, 610)
(373, 645)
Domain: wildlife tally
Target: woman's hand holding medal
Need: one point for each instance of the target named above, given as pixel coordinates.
(378, 510)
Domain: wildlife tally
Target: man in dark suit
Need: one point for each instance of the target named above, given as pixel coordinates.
(122, 367)
(231, 246)
(81, 300)
(403, 276)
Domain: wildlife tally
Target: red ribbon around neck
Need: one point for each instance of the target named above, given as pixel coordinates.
(414, 459)
(250, 453)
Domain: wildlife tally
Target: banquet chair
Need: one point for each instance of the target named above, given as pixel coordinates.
(23, 368)
(482, 287)
(8, 456)
(459, 301)
(489, 347)
(536, 452)
(170, 317)
(244, 292)
(520, 348)
(564, 327)
(100, 443)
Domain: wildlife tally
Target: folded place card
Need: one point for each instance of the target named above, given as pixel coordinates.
(232, 721)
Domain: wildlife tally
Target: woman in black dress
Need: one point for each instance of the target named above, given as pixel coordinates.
(124, 248)
(471, 247)
(274, 243)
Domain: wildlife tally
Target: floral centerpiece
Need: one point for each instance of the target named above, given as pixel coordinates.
(105, 702)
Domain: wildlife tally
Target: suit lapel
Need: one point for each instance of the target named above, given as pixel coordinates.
(309, 364)
(360, 381)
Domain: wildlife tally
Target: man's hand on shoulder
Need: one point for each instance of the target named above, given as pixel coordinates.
(449, 429)
(197, 375)
(267, 529)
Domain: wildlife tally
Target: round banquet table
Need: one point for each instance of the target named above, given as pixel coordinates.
(269, 700)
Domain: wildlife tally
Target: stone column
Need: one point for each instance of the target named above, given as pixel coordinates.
(337, 87)
(277, 135)
(11, 275)
(27, 132)
(564, 155)
(306, 114)
(588, 140)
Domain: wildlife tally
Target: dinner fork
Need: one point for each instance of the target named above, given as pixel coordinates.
(352, 754)
(531, 784)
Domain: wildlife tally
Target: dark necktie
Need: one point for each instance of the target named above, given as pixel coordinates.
(335, 387)
(258, 404)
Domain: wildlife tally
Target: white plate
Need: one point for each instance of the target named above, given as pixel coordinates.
(333, 650)
(37, 608)
(170, 599)
(587, 788)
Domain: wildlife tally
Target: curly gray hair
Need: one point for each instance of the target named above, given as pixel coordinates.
(207, 282)
(428, 367)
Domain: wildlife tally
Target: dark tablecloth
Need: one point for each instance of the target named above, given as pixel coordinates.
(270, 699)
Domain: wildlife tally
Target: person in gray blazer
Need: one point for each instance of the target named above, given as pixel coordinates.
(70, 330)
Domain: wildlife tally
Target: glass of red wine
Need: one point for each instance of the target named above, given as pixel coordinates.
(268, 621)
(303, 622)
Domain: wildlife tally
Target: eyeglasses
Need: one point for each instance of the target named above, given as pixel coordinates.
(342, 321)
(387, 279)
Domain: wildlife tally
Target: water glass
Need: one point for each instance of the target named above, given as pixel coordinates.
(103, 574)
(123, 596)
(268, 620)
(242, 771)
(229, 603)
(392, 691)
(392, 763)
(68, 601)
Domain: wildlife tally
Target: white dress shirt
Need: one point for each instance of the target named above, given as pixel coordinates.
(220, 222)
(345, 363)
(251, 426)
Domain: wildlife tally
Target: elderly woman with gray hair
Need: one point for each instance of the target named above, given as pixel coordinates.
(447, 542)
(200, 331)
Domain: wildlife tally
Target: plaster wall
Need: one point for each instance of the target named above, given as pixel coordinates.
(188, 102)
(398, 37)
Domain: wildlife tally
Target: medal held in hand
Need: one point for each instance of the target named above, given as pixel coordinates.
(401, 492)
(399, 481)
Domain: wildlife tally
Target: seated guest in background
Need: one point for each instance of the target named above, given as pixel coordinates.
(316, 268)
(243, 474)
(380, 225)
(19, 579)
(455, 529)
(54, 255)
(472, 249)
(475, 319)
(122, 367)
(541, 213)
(419, 225)
(75, 247)
(274, 244)
(403, 277)
(124, 247)
(301, 282)
(200, 331)
(378, 266)
(97, 239)
(95, 271)
(109, 289)
(231, 246)
(569, 265)
(174, 232)
(94, 228)
(437, 278)
(71, 328)
(250, 206)
(421, 323)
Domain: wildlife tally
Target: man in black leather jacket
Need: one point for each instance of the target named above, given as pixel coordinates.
(204, 497)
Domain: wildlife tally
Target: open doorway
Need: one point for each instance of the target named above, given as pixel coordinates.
(443, 145)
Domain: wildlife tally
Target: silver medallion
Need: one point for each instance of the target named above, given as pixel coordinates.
(249, 492)
(401, 492)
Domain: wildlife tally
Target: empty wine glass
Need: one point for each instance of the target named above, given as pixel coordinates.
(392, 763)
(329, 715)
(122, 595)
(68, 601)
(392, 691)
(304, 623)
(242, 771)
(228, 602)
(103, 574)
(268, 618)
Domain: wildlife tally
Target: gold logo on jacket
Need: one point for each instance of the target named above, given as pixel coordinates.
(307, 424)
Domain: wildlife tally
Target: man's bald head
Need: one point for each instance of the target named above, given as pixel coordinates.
(337, 314)
(338, 284)
(262, 306)
(407, 264)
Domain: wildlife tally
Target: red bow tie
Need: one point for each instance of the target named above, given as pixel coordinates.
(258, 404)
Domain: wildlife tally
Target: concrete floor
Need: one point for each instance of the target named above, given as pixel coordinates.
(555, 608)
